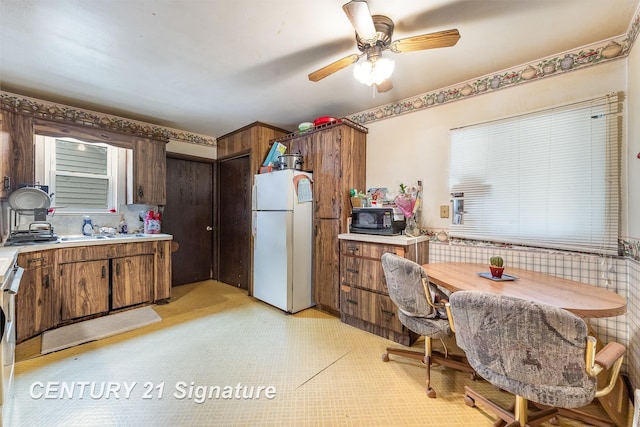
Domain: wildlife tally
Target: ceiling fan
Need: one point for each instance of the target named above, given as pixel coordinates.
(373, 36)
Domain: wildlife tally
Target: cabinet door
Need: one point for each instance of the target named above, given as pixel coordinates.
(162, 287)
(327, 174)
(84, 288)
(304, 145)
(131, 280)
(5, 157)
(149, 172)
(326, 264)
(35, 301)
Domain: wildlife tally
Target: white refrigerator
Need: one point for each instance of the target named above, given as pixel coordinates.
(282, 240)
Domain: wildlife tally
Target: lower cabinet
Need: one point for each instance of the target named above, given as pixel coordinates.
(84, 289)
(364, 298)
(66, 285)
(35, 308)
(131, 280)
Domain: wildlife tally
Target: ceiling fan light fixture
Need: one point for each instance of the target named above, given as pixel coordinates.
(373, 71)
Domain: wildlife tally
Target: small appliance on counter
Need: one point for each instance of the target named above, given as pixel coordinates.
(387, 221)
(33, 202)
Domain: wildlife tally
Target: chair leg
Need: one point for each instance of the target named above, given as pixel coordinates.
(521, 417)
(428, 350)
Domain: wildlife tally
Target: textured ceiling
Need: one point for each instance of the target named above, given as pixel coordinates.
(210, 67)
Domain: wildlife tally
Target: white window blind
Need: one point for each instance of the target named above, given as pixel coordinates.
(547, 179)
(81, 175)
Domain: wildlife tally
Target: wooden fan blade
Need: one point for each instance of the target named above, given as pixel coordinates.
(435, 40)
(333, 67)
(358, 13)
(385, 86)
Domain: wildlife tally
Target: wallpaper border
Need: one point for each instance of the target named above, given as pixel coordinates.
(61, 113)
(597, 53)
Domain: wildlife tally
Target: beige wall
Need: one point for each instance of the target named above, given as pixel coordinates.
(415, 146)
(203, 151)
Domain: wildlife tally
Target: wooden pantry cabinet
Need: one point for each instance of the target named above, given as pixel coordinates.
(66, 285)
(364, 297)
(335, 154)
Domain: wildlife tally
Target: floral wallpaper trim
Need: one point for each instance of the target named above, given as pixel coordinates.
(596, 53)
(62, 113)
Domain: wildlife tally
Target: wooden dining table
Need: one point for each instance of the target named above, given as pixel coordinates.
(582, 299)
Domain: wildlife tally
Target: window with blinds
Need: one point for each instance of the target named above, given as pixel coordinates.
(547, 179)
(83, 177)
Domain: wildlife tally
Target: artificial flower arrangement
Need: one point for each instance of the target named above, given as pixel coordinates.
(408, 201)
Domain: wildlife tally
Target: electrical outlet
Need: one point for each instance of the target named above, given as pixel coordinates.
(444, 211)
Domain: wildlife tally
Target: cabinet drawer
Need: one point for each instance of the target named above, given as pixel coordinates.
(371, 307)
(363, 273)
(34, 260)
(141, 248)
(87, 253)
(369, 250)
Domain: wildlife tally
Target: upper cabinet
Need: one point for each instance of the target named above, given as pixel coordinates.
(149, 173)
(5, 156)
(253, 139)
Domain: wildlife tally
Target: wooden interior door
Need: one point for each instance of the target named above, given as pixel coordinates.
(188, 216)
(234, 178)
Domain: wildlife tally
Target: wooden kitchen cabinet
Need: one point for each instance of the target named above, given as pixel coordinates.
(5, 157)
(149, 185)
(35, 301)
(364, 297)
(326, 265)
(336, 154)
(84, 289)
(130, 280)
(66, 285)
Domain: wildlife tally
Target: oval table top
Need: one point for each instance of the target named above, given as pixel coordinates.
(581, 299)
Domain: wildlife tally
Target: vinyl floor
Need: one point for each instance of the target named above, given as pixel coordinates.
(221, 358)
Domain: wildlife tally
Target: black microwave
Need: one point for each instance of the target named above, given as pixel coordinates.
(386, 221)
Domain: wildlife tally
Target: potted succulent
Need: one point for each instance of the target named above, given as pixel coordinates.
(496, 265)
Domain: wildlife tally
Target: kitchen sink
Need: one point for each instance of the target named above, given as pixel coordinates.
(98, 237)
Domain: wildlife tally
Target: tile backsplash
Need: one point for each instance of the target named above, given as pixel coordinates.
(66, 224)
(618, 274)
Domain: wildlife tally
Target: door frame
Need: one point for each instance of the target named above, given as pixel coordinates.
(236, 155)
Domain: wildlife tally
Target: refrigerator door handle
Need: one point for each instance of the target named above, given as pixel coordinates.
(254, 225)
(254, 197)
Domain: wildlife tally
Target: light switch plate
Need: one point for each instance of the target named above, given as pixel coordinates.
(444, 211)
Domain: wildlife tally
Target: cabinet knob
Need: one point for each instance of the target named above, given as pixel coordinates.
(140, 192)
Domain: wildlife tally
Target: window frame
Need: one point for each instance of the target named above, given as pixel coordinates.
(45, 173)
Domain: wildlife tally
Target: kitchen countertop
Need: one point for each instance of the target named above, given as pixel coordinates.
(8, 254)
(402, 239)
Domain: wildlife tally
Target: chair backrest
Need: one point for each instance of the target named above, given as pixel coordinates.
(528, 349)
(405, 285)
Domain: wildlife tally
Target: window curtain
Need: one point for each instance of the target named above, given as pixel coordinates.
(549, 178)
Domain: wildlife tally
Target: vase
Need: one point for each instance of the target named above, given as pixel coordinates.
(411, 228)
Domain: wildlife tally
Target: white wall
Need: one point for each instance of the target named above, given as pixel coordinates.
(415, 146)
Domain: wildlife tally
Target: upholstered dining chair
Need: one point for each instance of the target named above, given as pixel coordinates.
(421, 309)
(541, 354)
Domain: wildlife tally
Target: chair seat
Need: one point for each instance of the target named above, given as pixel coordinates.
(433, 327)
